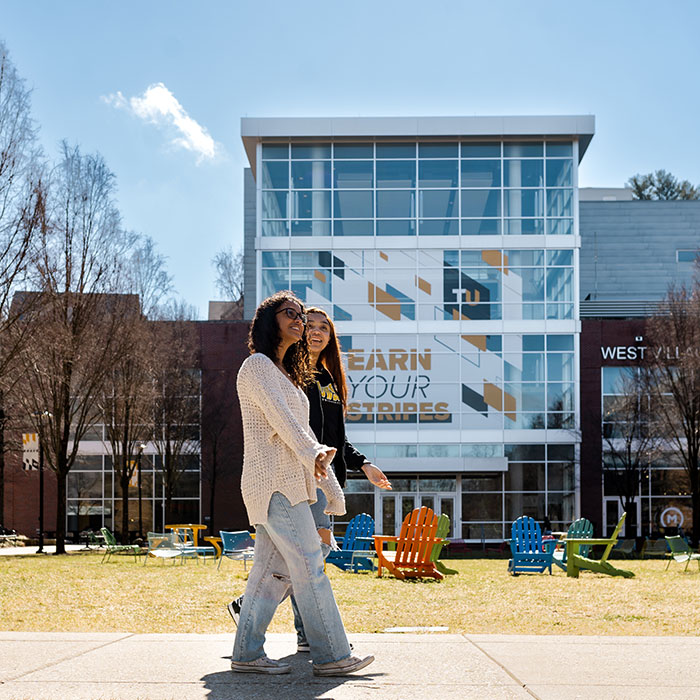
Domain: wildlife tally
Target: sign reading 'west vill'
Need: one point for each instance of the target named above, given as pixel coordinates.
(638, 352)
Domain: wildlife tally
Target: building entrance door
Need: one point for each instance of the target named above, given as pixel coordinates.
(612, 512)
(396, 506)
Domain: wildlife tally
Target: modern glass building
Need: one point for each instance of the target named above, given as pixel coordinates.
(446, 250)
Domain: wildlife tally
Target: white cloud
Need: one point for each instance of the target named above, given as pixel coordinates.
(160, 107)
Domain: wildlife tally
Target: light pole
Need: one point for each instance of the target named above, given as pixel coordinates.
(141, 448)
(41, 417)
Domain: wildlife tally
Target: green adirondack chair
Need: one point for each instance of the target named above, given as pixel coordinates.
(112, 547)
(681, 552)
(582, 529)
(443, 529)
(575, 561)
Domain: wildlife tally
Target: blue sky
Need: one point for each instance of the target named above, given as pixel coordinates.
(176, 149)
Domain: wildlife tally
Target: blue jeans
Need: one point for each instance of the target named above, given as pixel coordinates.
(320, 520)
(288, 551)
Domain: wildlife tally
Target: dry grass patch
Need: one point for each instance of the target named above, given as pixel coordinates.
(77, 593)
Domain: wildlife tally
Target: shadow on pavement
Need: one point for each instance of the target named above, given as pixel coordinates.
(299, 684)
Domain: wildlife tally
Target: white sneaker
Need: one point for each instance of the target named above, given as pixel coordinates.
(261, 665)
(342, 667)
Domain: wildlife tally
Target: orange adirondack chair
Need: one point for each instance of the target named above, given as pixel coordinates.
(414, 546)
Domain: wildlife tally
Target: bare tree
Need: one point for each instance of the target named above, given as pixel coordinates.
(229, 279)
(673, 361)
(74, 333)
(22, 199)
(631, 439)
(177, 390)
(148, 276)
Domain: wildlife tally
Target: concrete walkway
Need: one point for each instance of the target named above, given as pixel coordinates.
(67, 666)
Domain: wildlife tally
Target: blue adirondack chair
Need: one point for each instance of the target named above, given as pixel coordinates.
(581, 528)
(358, 538)
(529, 553)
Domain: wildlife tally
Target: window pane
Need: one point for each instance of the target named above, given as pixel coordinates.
(311, 205)
(353, 228)
(556, 258)
(532, 282)
(396, 228)
(481, 173)
(311, 150)
(522, 150)
(270, 150)
(481, 203)
(437, 150)
(314, 174)
(560, 342)
(352, 174)
(353, 150)
(560, 367)
(437, 173)
(530, 258)
(439, 227)
(353, 204)
(480, 227)
(396, 173)
(560, 227)
(275, 175)
(481, 150)
(396, 150)
(525, 476)
(527, 203)
(559, 149)
(438, 203)
(275, 259)
(274, 205)
(525, 227)
(485, 506)
(560, 202)
(396, 204)
(523, 173)
(275, 228)
(560, 285)
(560, 173)
(274, 281)
(306, 227)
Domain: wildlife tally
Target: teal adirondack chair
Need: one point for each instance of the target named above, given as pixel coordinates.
(357, 538)
(575, 561)
(581, 528)
(443, 529)
(529, 553)
(681, 552)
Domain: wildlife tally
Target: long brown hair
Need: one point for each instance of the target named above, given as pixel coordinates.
(264, 337)
(331, 358)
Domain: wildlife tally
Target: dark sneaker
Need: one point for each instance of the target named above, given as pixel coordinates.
(342, 667)
(234, 608)
(261, 665)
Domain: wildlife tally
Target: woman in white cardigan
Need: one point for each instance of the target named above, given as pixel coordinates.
(282, 465)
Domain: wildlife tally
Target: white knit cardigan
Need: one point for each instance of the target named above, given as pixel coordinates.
(279, 448)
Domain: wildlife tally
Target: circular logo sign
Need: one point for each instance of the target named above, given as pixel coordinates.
(671, 517)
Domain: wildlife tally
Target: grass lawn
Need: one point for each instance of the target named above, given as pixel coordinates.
(77, 593)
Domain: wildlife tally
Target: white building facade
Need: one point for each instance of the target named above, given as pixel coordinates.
(446, 251)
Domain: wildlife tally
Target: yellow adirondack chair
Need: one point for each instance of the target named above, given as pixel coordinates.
(575, 561)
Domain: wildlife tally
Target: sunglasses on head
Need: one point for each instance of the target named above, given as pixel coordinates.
(293, 314)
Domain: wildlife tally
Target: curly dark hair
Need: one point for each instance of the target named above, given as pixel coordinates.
(331, 358)
(264, 337)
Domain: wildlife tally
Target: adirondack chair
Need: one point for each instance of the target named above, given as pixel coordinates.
(529, 553)
(681, 552)
(654, 548)
(357, 538)
(625, 548)
(443, 529)
(414, 547)
(581, 528)
(575, 561)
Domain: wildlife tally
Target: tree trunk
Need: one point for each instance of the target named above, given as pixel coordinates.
(124, 486)
(696, 517)
(2, 460)
(61, 512)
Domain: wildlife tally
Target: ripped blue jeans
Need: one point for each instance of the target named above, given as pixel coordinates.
(288, 551)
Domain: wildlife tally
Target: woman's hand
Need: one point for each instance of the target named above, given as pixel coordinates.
(323, 461)
(376, 476)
